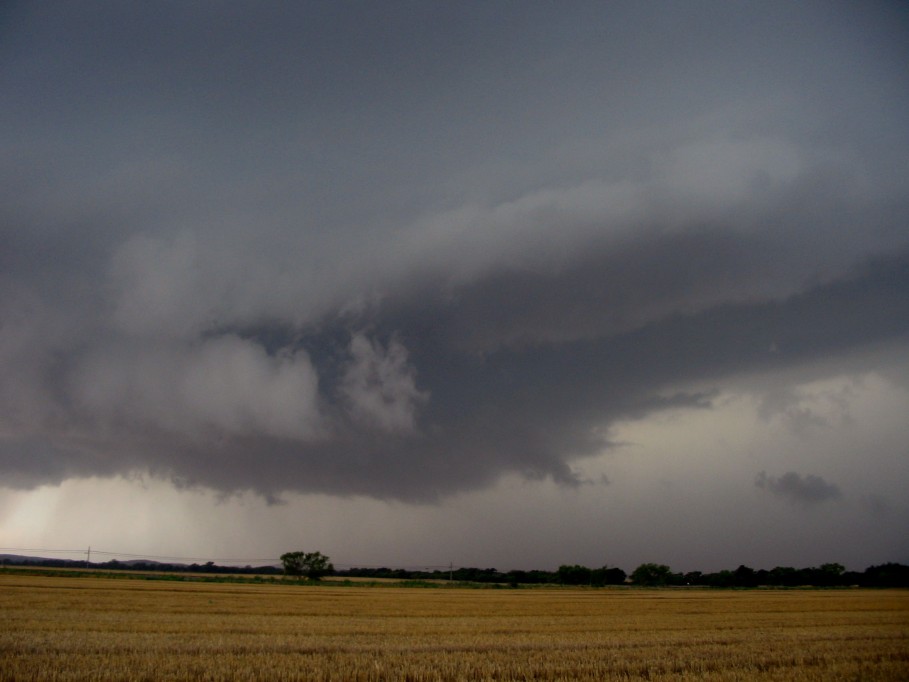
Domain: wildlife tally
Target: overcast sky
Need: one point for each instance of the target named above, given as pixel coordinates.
(507, 284)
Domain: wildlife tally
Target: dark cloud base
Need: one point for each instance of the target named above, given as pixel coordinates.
(399, 251)
(532, 410)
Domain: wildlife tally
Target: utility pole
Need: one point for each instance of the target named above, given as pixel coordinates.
(88, 555)
(450, 570)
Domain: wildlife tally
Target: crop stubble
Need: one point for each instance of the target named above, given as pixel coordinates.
(56, 628)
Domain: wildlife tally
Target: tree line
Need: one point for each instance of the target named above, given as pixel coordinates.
(315, 565)
(825, 575)
(657, 575)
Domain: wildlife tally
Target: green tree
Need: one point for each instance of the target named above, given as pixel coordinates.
(313, 565)
(829, 574)
(651, 574)
(835, 570)
(607, 576)
(573, 575)
(613, 576)
(745, 576)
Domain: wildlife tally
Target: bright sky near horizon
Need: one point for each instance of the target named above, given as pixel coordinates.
(496, 284)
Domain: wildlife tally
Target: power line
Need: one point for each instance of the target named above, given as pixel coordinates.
(225, 560)
(219, 560)
(270, 561)
(134, 556)
(42, 549)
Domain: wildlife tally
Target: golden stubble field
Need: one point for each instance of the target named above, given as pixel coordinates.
(55, 628)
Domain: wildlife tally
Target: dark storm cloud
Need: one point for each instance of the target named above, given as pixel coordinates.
(807, 490)
(433, 419)
(401, 250)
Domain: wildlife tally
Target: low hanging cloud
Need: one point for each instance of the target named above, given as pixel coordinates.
(263, 259)
(405, 409)
(805, 490)
(222, 386)
(380, 385)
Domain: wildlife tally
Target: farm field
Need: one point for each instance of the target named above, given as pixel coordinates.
(60, 628)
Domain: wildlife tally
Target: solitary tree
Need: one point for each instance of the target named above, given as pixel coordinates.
(313, 565)
(651, 574)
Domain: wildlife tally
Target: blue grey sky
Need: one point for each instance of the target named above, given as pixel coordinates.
(510, 284)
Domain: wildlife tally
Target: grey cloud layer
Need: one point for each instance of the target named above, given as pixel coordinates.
(807, 490)
(402, 251)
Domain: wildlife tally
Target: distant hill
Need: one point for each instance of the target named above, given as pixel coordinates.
(20, 559)
(134, 565)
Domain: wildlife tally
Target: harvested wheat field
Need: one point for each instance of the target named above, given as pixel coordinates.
(57, 628)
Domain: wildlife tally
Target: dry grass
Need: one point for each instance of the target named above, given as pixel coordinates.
(56, 628)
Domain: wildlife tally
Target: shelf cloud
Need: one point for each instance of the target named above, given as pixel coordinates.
(404, 251)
